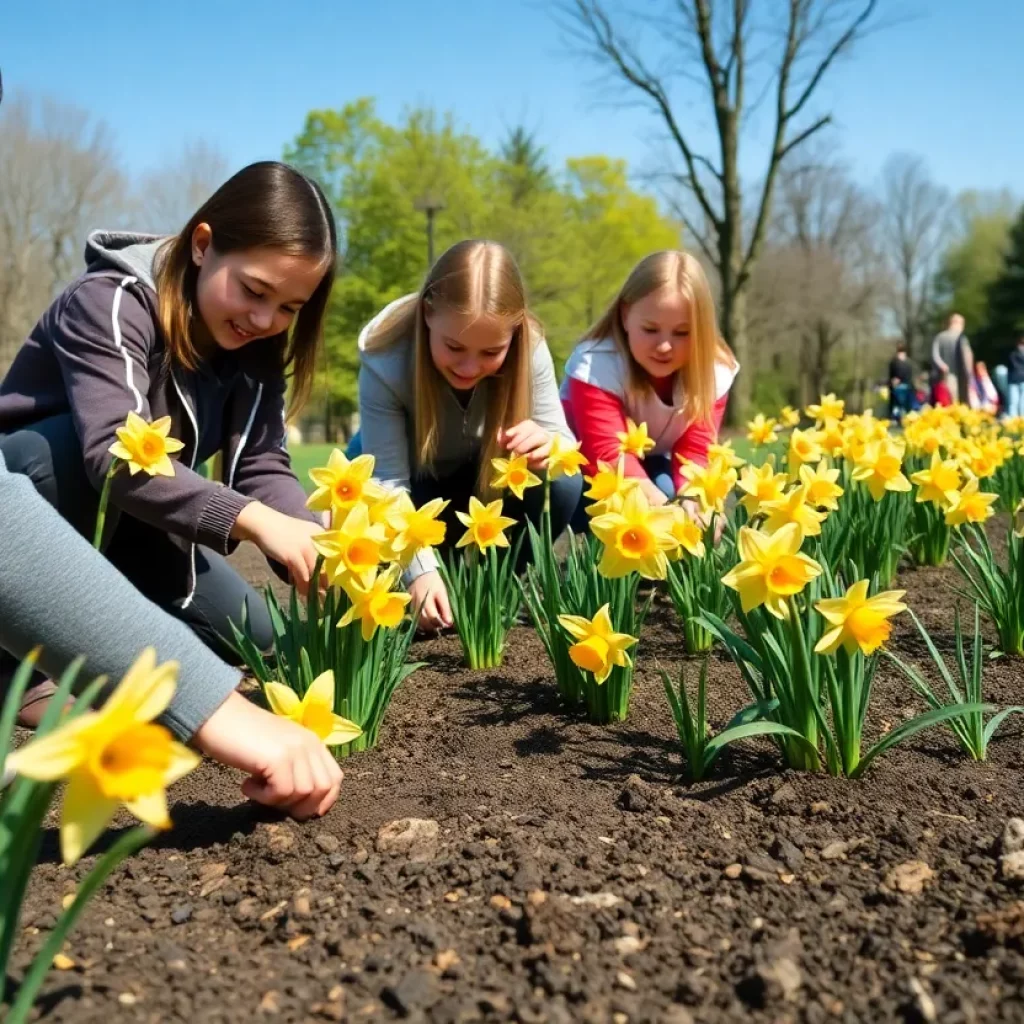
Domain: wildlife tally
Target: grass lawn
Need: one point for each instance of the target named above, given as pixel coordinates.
(307, 456)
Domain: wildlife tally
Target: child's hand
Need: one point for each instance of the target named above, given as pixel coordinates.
(283, 538)
(529, 439)
(288, 766)
(430, 596)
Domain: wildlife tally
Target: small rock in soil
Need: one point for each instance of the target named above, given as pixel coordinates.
(328, 843)
(776, 974)
(413, 992)
(677, 1015)
(637, 795)
(1011, 866)
(416, 838)
(626, 981)
(1013, 836)
(820, 807)
(181, 913)
(789, 853)
(835, 850)
(922, 1003)
(909, 877)
(785, 794)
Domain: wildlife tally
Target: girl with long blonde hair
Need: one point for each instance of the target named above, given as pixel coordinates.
(449, 378)
(656, 357)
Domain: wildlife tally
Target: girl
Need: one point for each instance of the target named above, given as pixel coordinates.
(448, 379)
(654, 357)
(205, 327)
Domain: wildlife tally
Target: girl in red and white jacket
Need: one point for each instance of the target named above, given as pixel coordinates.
(654, 357)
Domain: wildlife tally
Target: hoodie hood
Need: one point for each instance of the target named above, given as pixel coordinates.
(124, 250)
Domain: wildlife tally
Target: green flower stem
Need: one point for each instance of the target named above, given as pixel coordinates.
(101, 512)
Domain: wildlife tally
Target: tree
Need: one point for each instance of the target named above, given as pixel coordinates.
(169, 196)
(916, 218)
(971, 263)
(1006, 296)
(58, 178)
(736, 59)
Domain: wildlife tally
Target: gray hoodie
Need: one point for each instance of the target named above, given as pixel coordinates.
(386, 408)
(98, 352)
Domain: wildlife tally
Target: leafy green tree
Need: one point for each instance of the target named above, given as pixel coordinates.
(1006, 297)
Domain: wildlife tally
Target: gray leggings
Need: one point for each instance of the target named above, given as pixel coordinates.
(50, 455)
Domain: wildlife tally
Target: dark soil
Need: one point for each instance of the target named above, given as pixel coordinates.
(574, 877)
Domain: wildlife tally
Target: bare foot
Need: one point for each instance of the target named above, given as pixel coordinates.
(35, 703)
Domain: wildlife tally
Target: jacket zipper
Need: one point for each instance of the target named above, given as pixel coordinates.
(191, 465)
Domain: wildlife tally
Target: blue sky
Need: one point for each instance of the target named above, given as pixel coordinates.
(944, 81)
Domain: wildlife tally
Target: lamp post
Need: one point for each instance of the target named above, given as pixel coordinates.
(430, 204)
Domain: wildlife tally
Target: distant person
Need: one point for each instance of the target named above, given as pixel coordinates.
(1015, 380)
(449, 378)
(988, 397)
(952, 362)
(901, 384)
(655, 356)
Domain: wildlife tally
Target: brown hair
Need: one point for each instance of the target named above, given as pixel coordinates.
(695, 386)
(265, 205)
(474, 278)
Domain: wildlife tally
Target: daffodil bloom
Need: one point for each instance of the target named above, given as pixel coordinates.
(608, 487)
(710, 484)
(635, 440)
(564, 459)
(354, 546)
(725, 452)
(315, 711)
(635, 539)
(822, 489)
(485, 525)
(514, 475)
(772, 569)
(938, 482)
(828, 408)
(789, 417)
(858, 622)
(833, 438)
(598, 648)
(880, 468)
(413, 529)
(145, 446)
(793, 507)
(969, 505)
(112, 756)
(342, 483)
(761, 431)
(804, 448)
(688, 534)
(374, 601)
(760, 484)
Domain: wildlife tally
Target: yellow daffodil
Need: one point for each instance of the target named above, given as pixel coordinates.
(969, 505)
(608, 487)
(761, 431)
(724, 452)
(413, 529)
(342, 483)
(789, 417)
(759, 485)
(374, 601)
(828, 408)
(880, 468)
(772, 569)
(635, 539)
(355, 545)
(710, 484)
(859, 622)
(513, 474)
(804, 448)
(598, 648)
(833, 438)
(564, 459)
(688, 534)
(793, 507)
(485, 525)
(315, 711)
(635, 440)
(822, 489)
(145, 446)
(938, 482)
(112, 756)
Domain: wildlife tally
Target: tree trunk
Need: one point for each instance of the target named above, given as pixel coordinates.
(734, 330)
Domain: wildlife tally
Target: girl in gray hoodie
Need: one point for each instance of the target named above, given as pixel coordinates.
(205, 327)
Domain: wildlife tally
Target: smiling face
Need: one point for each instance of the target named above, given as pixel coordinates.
(658, 329)
(250, 294)
(466, 348)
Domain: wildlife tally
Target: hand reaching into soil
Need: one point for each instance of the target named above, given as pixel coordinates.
(283, 538)
(288, 766)
(429, 595)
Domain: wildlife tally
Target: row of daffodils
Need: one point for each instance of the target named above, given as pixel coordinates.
(786, 561)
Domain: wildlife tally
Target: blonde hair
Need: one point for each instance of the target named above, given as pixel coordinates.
(478, 279)
(695, 385)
